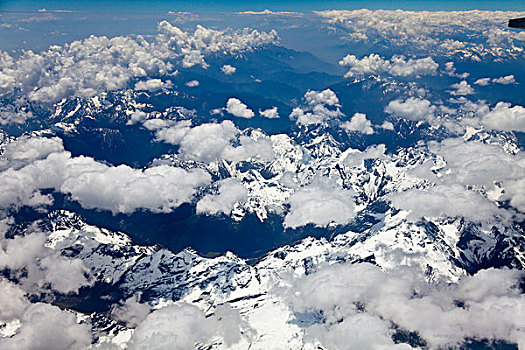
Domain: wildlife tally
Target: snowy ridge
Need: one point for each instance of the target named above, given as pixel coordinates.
(162, 276)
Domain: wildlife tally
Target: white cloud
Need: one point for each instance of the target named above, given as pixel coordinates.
(387, 125)
(9, 115)
(238, 109)
(359, 123)
(165, 132)
(119, 189)
(446, 200)
(26, 150)
(482, 165)
(397, 66)
(267, 12)
(270, 113)
(482, 82)
(509, 79)
(20, 251)
(131, 311)
(356, 331)
(65, 275)
(152, 85)
(231, 191)
(228, 70)
(515, 194)
(37, 266)
(260, 148)
(13, 301)
(450, 70)
(361, 305)
(506, 80)
(505, 118)
(325, 97)
(477, 35)
(210, 142)
(356, 158)
(412, 108)
(96, 64)
(320, 203)
(136, 117)
(461, 89)
(182, 325)
(123, 189)
(204, 41)
(192, 83)
(44, 326)
(316, 109)
(206, 142)
(476, 163)
(157, 123)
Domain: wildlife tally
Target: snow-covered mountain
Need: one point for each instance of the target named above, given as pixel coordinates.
(211, 188)
(441, 249)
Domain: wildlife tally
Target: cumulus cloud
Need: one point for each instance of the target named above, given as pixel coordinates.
(446, 200)
(231, 191)
(123, 189)
(119, 189)
(96, 64)
(506, 80)
(36, 266)
(136, 117)
(131, 311)
(183, 326)
(320, 203)
(325, 97)
(270, 113)
(26, 150)
(482, 82)
(169, 132)
(476, 163)
(515, 194)
(228, 70)
(65, 275)
(450, 70)
(152, 85)
(44, 326)
(482, 165)
(13, 301)
(157, 123)
(259, 147)
(205, 41)
(206, 142)
(387, 125)
(412, 108)
(476, 35)
(356, 158)
(359, 123)
(462, 88)
(192, 83)
(505, 118)
(210, 142)
(10, 115)
(238, 109)
(318, 107)
(362, 305)
(397, 66)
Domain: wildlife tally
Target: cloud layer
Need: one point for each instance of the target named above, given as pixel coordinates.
(360, 304)
(119, 189)
(397, 66)
(320, 203)
(90, 66)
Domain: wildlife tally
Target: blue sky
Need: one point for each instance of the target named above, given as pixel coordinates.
(159, 6)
